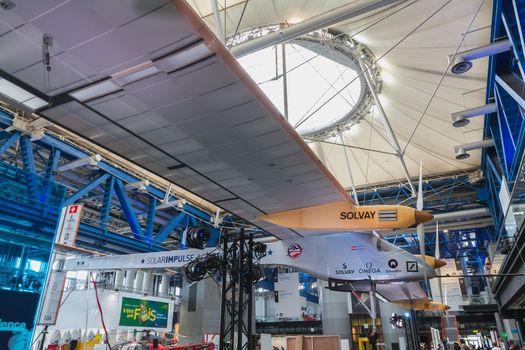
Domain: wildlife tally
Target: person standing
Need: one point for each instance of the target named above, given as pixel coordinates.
(372, 338)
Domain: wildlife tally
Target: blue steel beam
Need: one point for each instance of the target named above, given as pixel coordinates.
(127, 208)
(106, 202)
(9, 141)
(29, 166)
(86, 189)
(52, 163)
(150, 218)
(170, 226)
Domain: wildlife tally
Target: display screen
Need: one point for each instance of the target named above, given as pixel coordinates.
(143, 313)
(17, 318)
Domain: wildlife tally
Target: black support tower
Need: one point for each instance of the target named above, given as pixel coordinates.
(237, 292)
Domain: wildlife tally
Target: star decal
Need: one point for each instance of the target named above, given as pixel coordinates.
(270, 252)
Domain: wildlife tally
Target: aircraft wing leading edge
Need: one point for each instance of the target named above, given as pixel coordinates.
(155, 86)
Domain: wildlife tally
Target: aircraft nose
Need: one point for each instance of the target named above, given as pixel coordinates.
(423, 216)
(439, 263)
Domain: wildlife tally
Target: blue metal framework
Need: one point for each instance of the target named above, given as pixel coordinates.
(443, 193)
(505, 84)
(117, 219)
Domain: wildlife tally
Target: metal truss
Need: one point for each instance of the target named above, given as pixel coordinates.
(505, 87)
(443, 193)
(236, 329)
(121, 209)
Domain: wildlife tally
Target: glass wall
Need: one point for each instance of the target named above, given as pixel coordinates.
(27, 227)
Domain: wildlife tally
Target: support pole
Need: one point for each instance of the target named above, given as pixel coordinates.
(354, 191)
(285, 81)
(224, 284)
(217, 17)
(312, 24)
(250, 294)
(387, 126)
(233, 279)
(373, 313)
(240, 312)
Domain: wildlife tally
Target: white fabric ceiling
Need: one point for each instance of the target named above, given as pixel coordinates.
(410, 72)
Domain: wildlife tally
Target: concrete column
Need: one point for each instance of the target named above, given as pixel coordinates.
(139, 279)
(147, 284)
(164, 285)
(119, 280)
(130, 279)
(200, 310)
(335, 316)
(392, 336)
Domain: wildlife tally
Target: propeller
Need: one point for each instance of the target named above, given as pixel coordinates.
(421, 227)
(437, 255)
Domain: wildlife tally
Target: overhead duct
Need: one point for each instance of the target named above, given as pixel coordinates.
(463, 60)
(462, 150)
(312, 24)
(461, 118)
(461, 214)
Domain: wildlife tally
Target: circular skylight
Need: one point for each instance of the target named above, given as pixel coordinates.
(325, 89)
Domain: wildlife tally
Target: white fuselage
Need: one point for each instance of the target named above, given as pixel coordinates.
(347, 256)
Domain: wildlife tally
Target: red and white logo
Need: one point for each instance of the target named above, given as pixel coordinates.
(73, 209)
(294, 250)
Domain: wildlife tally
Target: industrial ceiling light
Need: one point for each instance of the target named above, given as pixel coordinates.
(213, 263)
(195, 270)
(462, 154)
(463, 60)
(461, 66)
(17, 94)
(461, 118)
(198, 237)
(87, 161)
(462, 150)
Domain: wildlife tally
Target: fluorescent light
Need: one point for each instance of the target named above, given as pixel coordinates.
(16, 93)
(183, 58)
(135, 73)
(35, 103)
(96, 90)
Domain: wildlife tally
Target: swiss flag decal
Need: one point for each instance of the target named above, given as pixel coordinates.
(73, 209)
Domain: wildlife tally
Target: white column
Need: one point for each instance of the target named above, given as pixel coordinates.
(164, 285)
(147, 284)
(139, 279)
(130, 278)
(119, 279)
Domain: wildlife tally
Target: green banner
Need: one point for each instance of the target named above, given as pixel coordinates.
(143, 313)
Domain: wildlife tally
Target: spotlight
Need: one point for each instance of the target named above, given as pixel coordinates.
(213, 263)
(195, 271)
(462, 154)
(259, 250)
(460, 122)
(461, 66)
(198, 237)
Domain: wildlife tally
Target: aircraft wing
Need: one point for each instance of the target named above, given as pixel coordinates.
(393, 292)
(150, 82)
(401, 291)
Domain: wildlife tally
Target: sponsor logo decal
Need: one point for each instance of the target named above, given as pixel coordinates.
(294, 250)
(392, 263)
(412, 266)
(357, 215)
(344, 271)
(369, 268)
(388, 215)
(170, 259)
